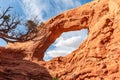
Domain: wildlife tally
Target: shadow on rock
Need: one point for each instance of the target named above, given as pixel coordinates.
(18, 69)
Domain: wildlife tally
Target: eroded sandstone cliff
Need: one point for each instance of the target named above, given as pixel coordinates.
(98, 56)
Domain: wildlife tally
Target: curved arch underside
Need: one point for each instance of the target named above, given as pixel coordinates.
(76, 19)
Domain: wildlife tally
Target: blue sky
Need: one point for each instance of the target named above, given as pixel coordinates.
(45, 9)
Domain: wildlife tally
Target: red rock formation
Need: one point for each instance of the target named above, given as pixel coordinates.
(71, 20)
(12, 67)
(98, 57)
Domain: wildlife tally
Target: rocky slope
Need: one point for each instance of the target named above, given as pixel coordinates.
(98, 56)
(12, 67)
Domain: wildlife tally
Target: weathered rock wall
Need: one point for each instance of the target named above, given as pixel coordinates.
(98, 57)
(75, 19)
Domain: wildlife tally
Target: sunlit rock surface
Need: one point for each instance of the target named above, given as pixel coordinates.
(97, 58)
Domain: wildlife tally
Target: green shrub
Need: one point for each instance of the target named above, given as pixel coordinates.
(54, 78)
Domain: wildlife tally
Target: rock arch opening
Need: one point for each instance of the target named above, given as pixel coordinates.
(66, 43)
(72, 20)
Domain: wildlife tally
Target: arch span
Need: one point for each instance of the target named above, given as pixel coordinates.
(72, 20)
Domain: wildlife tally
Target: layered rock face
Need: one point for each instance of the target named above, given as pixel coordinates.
(97, 58)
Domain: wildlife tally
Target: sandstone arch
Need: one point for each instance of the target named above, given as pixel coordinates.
(98, 57)
(75, 19)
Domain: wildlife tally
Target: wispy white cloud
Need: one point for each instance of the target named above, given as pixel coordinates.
(46, 9)
(32, 8)
(69, 3)
(69, 42)
(66, 43)
(56, 53)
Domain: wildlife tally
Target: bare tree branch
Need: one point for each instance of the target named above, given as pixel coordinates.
(10, 23)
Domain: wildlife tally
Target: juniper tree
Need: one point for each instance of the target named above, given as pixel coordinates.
(9, 24)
